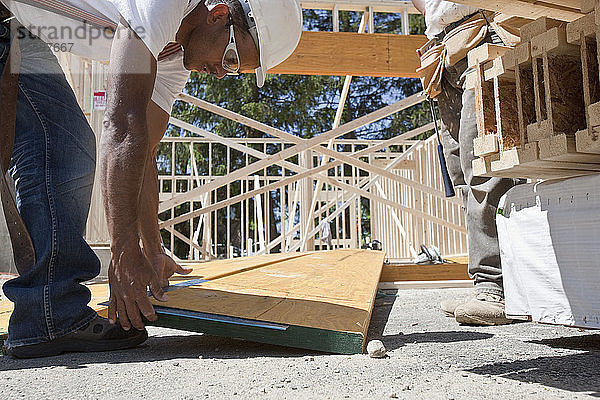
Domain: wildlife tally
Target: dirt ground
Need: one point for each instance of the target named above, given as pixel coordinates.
(430, 357)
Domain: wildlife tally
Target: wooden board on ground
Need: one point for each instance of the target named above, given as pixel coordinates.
(250, 290)
(319, 301)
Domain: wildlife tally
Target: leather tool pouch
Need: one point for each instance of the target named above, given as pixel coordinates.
(436, 55)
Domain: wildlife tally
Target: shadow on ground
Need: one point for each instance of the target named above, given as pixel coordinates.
(381, 313)
(588, 342)
(163, 348)
(579, 373)
(393, 342)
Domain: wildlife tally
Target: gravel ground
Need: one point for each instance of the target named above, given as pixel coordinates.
(430, 357)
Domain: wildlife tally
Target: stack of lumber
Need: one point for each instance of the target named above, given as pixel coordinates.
(537, 104)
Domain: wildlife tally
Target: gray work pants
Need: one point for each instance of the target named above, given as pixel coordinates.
(481, 195)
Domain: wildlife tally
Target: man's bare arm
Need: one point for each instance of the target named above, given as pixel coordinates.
(164, 265)
(123, 154)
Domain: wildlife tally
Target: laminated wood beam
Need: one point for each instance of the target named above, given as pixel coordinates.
(345, 53)
(564, 10)
(379, 6)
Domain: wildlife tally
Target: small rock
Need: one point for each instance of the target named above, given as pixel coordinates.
(336, 371)
(407, 387)
(393, 396)
(176, 364)
(200, 357)
(376, 349)
(309, 358)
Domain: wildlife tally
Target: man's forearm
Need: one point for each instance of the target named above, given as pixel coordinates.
(123, 154)
(157, 121)
(148, 208)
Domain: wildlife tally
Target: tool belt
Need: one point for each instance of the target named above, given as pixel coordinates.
(23, 251)
(453, 44)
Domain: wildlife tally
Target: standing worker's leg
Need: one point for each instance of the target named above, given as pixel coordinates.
(450, 106)
(481, 197)
(53, 167)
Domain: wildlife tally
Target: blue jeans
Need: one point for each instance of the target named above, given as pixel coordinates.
(53, 167)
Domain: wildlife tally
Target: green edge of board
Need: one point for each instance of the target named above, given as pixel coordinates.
(294, 336)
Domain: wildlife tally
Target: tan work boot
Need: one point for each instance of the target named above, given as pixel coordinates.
(448, 306)
(483, 309)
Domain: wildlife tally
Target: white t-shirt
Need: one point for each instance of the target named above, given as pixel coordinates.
(441, 13)
(86, 28)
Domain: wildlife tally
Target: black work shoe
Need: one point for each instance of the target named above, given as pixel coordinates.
(98, 335)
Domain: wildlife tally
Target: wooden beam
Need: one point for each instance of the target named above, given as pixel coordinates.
(416, 272)
(346, 53)
(379, 6)
(564, 10)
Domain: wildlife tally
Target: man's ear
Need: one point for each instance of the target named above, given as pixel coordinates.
(218, 14)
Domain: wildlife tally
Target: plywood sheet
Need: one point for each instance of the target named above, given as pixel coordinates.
(321, 300)
(221, 268)
(324, 290)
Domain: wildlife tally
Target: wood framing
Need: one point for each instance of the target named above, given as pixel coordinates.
(211, 207)
(378, 6)
(356, 54)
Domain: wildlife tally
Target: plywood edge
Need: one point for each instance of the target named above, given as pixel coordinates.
(294, 336)
(372, 303)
